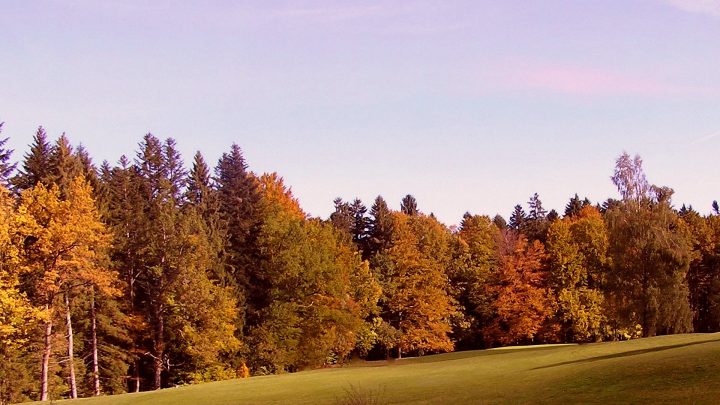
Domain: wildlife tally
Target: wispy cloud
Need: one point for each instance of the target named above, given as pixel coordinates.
(593, 81)
(708, 7)
(705, 138)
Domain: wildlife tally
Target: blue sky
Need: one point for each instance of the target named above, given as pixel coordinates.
(468, 105)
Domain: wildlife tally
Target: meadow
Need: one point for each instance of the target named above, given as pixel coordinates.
(666, 369)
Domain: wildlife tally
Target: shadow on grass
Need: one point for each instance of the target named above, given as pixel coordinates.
(625, 354)
(460, 355)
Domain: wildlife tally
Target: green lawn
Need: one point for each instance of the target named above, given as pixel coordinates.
(667, 369)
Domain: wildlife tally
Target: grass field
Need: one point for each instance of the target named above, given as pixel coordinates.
(666, 369)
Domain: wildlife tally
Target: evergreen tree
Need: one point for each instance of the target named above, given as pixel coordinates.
(408, 205)
(536, 225)
(64, 165)
(36, 164)
(380, 227)
(199, 189)
(6, 168)
(342, 218)
(239, 203)
(500, 222)
(518, 218)
(573, 206)
(361, 223)
(552, 216)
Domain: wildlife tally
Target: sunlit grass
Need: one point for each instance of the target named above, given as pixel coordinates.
(667, 369)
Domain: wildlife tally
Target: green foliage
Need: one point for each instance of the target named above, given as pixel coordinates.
(577, 249)
(320, 291)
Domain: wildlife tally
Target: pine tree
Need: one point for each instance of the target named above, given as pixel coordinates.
(36, 165)
(342, 218)
(518, 218)
(500, 222)
(6, 168)
(380, 227)
(199, 189)
(536, 225)
(552, 216)
(408, 205)
(239, 203)
(573, 206)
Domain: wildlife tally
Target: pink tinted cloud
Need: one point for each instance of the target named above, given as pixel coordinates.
(594, 82)
(708, 7)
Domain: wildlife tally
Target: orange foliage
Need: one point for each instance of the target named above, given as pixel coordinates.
(520, 302)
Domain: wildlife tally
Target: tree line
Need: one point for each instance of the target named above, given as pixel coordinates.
(144, 274)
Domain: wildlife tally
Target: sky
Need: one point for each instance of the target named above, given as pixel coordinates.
(467, 105)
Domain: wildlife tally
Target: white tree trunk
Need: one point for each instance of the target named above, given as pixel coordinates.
(96, 366)
(46, 357)
(70, 349)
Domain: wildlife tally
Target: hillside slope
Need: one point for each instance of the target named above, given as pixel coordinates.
(666, 369)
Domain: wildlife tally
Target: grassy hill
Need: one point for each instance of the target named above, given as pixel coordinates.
(666, 369)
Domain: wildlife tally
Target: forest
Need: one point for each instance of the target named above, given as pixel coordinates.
(148, 273)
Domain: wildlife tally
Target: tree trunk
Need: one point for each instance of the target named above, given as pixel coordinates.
(159, 349)
(96, 366)
(137, 375)
(70, 348)
(46, 357)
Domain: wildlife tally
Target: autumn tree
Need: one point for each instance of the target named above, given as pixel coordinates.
(18, 316)
(320, 291)
(411, 269)
(577, 252)
(474, 259)
(517, 291)
(63, 244)
(704, 273)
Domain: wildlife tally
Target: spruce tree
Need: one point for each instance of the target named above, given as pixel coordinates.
(408, 205)
(6, 168)
(518, 218)
(36, 164)
(573, 206)
(240, 213)
(380, 227)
